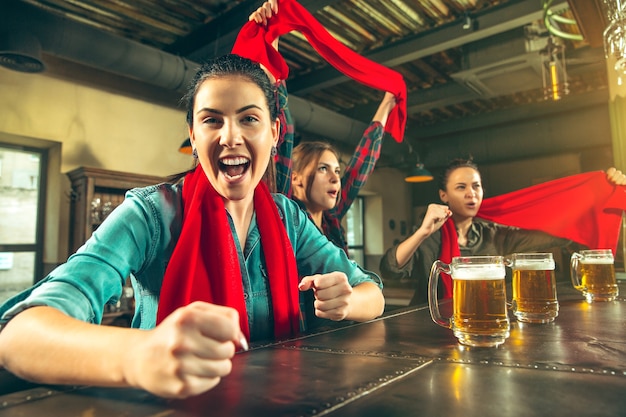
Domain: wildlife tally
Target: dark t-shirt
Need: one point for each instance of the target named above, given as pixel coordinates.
(483, 238)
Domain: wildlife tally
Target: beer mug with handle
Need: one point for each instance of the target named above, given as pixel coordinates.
(478, 302)
(534, 287)
(593, 274)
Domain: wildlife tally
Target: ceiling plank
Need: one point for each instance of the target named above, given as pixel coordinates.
(217, 37)
(591, 20)
(494, 21)
(522, 112)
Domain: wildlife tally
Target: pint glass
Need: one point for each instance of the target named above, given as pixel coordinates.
(593, 274)
(479, 299)
(534, 287)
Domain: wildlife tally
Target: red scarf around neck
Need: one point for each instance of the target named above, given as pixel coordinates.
(255, 42)
(585, 208)
(205, 265)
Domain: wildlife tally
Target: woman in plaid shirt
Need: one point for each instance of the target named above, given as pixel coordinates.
(315, 180)
(310, 174)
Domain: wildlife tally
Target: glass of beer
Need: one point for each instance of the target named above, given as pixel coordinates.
(593, 274)
(479, 307)
(534, 287)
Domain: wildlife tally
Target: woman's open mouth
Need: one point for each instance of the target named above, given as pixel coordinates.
(234, 167)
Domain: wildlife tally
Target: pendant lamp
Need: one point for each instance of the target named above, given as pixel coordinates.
(418, 173)
(20, 51)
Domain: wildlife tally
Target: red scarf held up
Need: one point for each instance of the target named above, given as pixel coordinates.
(585, 208)
(255, 42)
(205, 265)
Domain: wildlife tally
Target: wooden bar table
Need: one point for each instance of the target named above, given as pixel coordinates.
(399, 365)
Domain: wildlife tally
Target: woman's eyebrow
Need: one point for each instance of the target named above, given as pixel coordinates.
(216, 111)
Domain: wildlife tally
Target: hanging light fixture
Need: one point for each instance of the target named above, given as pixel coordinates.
(553, 71)
(20, 51)
(418, 173)
(185, 147)
(615, 34)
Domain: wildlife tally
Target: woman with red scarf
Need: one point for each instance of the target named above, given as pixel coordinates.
(213, 256)
(455, 228)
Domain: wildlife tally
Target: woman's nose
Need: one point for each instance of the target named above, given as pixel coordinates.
(230, 135)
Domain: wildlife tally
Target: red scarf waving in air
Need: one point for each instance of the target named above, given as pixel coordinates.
(255, 42)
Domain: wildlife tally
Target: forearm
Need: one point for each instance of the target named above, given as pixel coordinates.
(367, 302)
(407, 248)
(64, 350)
(359, 168)
(384, 108)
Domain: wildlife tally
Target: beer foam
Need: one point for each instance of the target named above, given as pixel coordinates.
(533, 265)
(479, 272)
(601, 261)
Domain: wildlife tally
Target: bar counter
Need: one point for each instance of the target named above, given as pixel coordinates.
(399, 365)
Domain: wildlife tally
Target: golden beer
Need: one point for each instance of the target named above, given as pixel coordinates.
(593, 274)
(534, 293)
(597, 278)
(479, 315)
(479, 309)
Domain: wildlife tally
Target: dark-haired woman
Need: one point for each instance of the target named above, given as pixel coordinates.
(215, 260)
(461, 193)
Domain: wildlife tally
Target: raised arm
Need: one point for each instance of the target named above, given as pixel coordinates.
(283, 160)
(365, 157)
(435, 217)
(384, 108)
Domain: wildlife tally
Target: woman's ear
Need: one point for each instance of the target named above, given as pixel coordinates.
(296, 179)
(192, 138)
(276, 132)
(443, 197)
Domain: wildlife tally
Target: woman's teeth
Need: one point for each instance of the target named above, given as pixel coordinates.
(235, 166)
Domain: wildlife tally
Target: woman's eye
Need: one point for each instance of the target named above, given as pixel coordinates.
(210, 120)
(250, 119)
(322, 169)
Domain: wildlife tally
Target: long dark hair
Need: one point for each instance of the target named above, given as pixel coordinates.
(225, 66)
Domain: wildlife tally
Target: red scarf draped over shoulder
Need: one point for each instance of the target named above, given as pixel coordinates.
(585, 208)
(205, 265)
(255, 42)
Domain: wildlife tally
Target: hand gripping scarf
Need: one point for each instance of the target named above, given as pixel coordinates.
(585, 208)
(205, 266)
(255, 42)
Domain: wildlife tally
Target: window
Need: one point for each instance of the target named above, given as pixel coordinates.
(355, 232)
(21, 217)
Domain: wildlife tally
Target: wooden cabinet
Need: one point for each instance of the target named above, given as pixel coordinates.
(95, 193)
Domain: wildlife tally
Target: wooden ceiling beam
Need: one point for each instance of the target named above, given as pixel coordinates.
(591, 19)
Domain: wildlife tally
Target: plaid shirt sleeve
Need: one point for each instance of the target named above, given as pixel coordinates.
(359, 168)
(283, 158)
